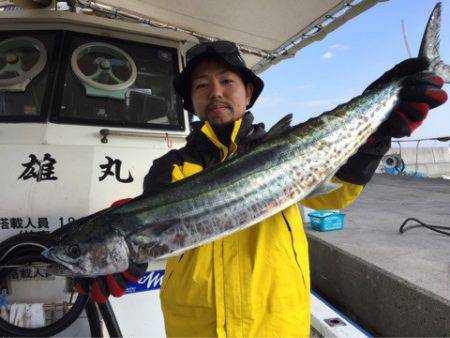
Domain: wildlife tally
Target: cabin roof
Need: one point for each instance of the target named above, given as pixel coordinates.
(278, 28)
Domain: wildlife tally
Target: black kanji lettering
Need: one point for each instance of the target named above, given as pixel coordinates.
(4, 223)
(107, 170)
(16, 223)
(39, 170)
(40, 274)
(29, 224)
(25, 273)
(42, 222)
(14, 274)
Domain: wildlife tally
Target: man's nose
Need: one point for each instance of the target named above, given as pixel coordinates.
(216, 90)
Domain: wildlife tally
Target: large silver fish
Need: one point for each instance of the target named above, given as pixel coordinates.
(293, 162)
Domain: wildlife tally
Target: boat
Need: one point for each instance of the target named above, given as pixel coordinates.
(87, 104)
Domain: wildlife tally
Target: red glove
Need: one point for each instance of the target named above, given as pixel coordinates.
(101, 287)
(421, 92)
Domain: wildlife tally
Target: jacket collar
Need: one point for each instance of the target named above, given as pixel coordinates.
(241, 129)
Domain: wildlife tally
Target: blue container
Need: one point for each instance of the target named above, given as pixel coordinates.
(326, 220)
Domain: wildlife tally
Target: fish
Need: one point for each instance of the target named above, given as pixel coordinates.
(290, 164)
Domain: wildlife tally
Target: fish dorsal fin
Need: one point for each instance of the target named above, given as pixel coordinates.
(281, 127)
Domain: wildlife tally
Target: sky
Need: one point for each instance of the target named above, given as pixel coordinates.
(338, 68)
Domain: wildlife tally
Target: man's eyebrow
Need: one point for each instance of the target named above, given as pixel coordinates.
(205, 76)
(200, 76)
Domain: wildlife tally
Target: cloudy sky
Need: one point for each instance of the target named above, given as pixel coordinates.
(341, 66)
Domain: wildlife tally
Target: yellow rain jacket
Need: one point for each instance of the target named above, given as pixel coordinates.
(253, 283)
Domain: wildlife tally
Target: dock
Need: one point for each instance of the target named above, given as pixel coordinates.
(392, 284)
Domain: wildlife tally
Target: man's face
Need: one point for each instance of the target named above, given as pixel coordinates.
(218, 94)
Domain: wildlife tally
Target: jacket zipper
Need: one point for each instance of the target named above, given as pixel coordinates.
(292, 246)
(171, 272)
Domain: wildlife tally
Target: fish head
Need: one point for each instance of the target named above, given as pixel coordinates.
(92, 256)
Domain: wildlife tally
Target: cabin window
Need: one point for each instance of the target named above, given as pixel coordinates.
(26, 63)
(111, 82)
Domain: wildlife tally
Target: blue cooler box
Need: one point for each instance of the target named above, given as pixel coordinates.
(326, 220)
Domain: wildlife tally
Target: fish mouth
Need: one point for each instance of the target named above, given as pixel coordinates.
(58, 269)
(61, 267)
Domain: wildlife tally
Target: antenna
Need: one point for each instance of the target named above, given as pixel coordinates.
(405, 39)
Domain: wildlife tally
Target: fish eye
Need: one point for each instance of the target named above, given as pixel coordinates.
(74, 251)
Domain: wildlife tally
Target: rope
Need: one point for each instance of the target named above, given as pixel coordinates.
(437, 228)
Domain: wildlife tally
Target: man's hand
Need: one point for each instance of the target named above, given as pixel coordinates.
(102, 287)
(422, 91)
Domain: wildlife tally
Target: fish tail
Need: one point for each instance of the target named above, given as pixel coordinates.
(430, 44)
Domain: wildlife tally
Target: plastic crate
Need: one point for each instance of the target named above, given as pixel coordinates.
(326, 220)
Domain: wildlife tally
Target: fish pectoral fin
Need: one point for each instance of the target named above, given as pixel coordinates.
(280, 128)
(146, 246)
(325, 188)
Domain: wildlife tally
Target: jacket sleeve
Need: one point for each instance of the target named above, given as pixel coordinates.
(160, 174)
(337, 199)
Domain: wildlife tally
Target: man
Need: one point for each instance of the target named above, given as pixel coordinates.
(256, 282)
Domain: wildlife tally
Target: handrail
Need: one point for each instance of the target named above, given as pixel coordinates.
(104, 133)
